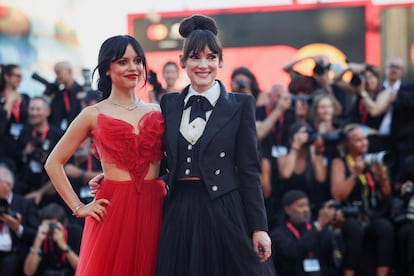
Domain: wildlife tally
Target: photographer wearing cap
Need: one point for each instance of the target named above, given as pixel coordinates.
(300, 247)
(55, 250)
(355, 182)
(18, 222)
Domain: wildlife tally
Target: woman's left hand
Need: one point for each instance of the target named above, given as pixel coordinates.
(262, 245)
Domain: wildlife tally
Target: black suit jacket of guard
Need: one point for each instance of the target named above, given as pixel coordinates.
(30, 221)
(228, 156)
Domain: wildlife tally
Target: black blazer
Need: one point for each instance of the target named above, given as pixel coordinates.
(30, 221)
(228, 156)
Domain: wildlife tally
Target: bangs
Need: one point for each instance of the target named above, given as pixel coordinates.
(199, 40)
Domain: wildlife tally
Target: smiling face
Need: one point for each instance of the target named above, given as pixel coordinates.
(127, 71)
(202, 68)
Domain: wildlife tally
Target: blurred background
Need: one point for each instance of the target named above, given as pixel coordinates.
(263, 35)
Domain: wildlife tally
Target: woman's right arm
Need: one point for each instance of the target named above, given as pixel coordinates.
(77, 132)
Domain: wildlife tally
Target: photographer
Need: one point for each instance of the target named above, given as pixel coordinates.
(55, 250)
(244, 81)
(356, 183)
(65, 96)
(36, 142)
(371, 101)
(300, 247)
(301, 168)
(18, 222)
(13, 110)
(321, 80)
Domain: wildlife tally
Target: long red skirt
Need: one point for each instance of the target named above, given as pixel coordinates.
(126, 241)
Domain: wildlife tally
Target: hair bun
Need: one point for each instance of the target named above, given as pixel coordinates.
(197, 22)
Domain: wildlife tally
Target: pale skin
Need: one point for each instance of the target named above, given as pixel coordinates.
(125, 74)
(202, 71)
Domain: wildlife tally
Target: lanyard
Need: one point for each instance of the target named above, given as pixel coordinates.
(44, 132)
(296, 233)
(280, 121)
(15, 108)
(363, 111)
(66, 100)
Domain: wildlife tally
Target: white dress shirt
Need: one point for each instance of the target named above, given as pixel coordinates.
(193, 131)
(385, 126)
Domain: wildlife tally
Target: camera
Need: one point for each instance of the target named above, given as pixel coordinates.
(5, 208)
(327, 137)
(379, 158)
(241, 84)
(347, 210)
(41, 148)
(320, 68)
(51, 88)
(357, 79)
(52, 227)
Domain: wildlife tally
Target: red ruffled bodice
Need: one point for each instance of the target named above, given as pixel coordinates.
(115, 142)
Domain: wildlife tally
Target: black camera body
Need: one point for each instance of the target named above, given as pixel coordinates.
(41, 149)
(356, 79)
(5, 208)
(327, 137)
(52, 227)
(347, 210)
(241, 84)
(51, 88)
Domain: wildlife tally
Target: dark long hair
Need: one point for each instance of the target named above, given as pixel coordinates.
(254, 87)
(111, 50)
(200, 31)
(6, 70)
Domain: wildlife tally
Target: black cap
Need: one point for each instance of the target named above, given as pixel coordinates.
(291, 196)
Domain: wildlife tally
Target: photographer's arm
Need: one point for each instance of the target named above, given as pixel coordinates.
(264, 127)
(318, 58)
(380, 105)
(287, 163)
(381, 176)
(355, 68)
(318, 165)
(33, 259)
(37, 196)
(341, 185)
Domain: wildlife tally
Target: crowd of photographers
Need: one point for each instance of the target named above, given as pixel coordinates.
(342, 142)
(38, 234)
(337, 169)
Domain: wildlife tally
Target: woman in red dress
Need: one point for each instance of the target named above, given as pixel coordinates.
(123, 223)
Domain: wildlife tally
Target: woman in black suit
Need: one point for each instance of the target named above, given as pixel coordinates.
(215, 221)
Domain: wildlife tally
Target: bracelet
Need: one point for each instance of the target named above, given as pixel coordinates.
(37, 252)
(294, 149)
(67, 250)
(77, 208)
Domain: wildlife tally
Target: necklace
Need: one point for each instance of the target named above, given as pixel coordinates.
(129, 108)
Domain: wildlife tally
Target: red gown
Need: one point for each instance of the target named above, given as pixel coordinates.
(126, 241)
